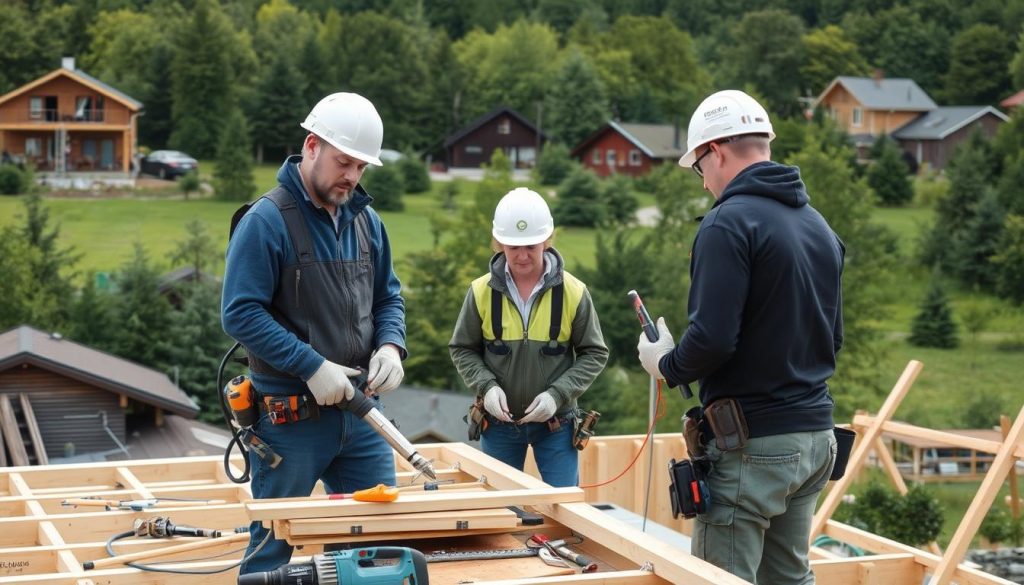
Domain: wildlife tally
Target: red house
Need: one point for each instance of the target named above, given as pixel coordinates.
(632, 149)
(504, 128)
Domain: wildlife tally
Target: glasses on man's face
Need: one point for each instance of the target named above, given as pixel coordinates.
(696, 164)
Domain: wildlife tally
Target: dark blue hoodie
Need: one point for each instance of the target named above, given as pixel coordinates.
(765, 304)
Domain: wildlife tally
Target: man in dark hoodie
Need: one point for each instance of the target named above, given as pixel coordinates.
(765, 323)
(310, 291)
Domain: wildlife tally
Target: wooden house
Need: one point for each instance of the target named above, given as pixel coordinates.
(1013, 102)
(631, 149)
(933, 137)
(867, 107)
(68, 121)
(61, 400)
(502, 128)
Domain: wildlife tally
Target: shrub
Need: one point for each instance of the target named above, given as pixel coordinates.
(384, 184)
(913, 519)
(554, 164)
(415, 176)
(579, 200)
(189, 183)
(1001, 527)
(13, 181)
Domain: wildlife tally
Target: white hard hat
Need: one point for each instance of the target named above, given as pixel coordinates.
(522, 218)
(723, 114)
(350, 123)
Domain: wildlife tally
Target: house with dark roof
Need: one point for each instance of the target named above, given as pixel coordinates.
(429, 416)
(869, 107)
(63, 401)
(69, 122)
(631, 149)
(502, 128)
(932, 138)
(1013, 102)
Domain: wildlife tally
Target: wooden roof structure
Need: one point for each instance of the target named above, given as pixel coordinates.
(45, 542)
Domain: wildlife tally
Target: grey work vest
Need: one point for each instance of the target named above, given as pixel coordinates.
(325, 303)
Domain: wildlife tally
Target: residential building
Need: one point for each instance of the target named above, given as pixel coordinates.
(630, 149)
(502, 128)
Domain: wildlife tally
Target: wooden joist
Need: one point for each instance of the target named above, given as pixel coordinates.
(468, 520)
(263, 510)
(33, 430)
(12, 435)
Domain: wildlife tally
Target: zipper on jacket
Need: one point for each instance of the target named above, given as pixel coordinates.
(298, 277)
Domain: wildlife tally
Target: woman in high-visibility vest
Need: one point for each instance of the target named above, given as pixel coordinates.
(528, 342)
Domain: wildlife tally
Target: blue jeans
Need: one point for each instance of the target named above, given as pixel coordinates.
(557, 460)
(342, 450)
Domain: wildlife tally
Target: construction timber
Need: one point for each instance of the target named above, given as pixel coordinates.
(45, 542)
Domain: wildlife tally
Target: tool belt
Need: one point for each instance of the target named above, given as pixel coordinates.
(721, 421)
(476, 419)
(288, 409)
(688, 488)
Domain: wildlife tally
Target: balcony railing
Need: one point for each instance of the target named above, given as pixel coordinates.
(62, 116)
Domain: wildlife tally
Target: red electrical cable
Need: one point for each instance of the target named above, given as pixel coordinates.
(658, 413)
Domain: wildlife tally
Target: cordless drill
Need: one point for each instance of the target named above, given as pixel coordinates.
(386, 565)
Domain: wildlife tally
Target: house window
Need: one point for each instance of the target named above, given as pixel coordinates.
(35, 108)
(634, 158)
(471, 149)
(596, 156)
(857, 117)
(609, 158)
(89, 108)
(505, 126)
(33, 147)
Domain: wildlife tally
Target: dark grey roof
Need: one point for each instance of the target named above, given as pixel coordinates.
(943, 121)
(465, 130)
(427, 415)
(178, 437)
(885, 93)
(658, 141)
(129, 100)
(185, 274)
(74, 360)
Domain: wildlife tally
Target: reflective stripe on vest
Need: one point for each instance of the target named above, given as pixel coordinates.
(540, 317)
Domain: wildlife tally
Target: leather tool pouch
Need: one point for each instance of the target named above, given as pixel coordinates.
(725, 417)
(688, 489)
(475, 419)
(691, 432)
(844, 445)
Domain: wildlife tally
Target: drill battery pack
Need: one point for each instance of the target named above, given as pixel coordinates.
(688, 488)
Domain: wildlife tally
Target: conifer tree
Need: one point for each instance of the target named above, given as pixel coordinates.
(577, 105)
(281, 105)
(415, 176)
(579, 200)
(232, 179)
(934, 326)
(143, 315)
(554, 164)
(1010, 260)
(978, 242)
(92, 319)
(385, 185)
(888, 175)
(197, 344)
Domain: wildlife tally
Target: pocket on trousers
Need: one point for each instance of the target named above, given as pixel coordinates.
(767, 481)
(718, 514)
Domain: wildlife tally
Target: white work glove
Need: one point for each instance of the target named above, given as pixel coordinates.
(386, 371)
(541, 409)
(330, 383)
(651, 352)
(496, 404)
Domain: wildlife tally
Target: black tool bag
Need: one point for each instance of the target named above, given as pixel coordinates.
(688, 489)
(844, 445)
(725, 418)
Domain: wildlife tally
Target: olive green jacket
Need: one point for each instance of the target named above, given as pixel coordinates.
(523, 371)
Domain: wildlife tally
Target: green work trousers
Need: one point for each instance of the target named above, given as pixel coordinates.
(762, 503)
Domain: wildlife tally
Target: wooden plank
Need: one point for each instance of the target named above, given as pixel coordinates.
(1001, 465)
(270, 510)
(883, 570)
(946, 438)
(12, 436)
(1004, 426)
(33, 430)
(636, 577)
(864, 445)
(467, 520)
(126, 478)
(399, 537)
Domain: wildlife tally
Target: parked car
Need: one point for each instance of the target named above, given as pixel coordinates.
(168, 164)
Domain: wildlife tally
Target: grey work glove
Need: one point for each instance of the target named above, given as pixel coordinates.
(330, 383)
(386, 371)
(541, 409)
(496, 404)
(651, 352)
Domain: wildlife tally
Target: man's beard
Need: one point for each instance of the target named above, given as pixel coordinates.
(328, 194)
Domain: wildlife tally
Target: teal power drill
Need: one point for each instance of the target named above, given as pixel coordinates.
(383, 565)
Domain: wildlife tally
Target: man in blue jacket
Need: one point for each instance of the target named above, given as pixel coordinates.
(310, 291)
(765, 324)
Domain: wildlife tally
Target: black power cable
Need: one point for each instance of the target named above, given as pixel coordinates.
(236, 437)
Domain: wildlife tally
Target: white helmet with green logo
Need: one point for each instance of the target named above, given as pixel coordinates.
(522, 218)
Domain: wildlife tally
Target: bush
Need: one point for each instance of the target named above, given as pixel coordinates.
(887, 176)
(579, 200)
(913, 519)
(13, 181)
(415, 176)
(929, 189)
(384, 184)
(933, 326)
(189, 183)
(619, 199)
(1001, 527)
(554, 164)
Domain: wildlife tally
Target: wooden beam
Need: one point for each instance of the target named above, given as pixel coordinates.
(33, 430)
(874, 570)
(1001, 465)
(864, 445)
(898, 429)
(614, 578)
(468, 520)
(1004, 426)
(12, 436)
(386, 536)
(262, 510)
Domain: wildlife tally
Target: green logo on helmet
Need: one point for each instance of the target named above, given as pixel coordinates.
(521, 225)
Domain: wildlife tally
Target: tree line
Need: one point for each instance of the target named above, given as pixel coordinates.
(431, 66)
